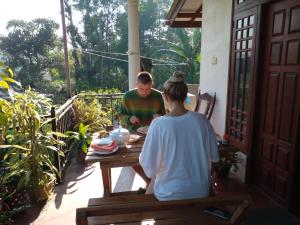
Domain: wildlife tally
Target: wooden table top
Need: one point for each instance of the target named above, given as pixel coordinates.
(125, 156)
(129, 155)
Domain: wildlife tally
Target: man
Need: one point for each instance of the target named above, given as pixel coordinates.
(141, 105)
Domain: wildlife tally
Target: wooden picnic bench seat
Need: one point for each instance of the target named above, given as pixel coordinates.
(143, 209)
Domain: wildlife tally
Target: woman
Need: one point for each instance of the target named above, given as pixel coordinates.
(179, 148)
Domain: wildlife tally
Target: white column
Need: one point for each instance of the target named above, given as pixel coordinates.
(133, 43)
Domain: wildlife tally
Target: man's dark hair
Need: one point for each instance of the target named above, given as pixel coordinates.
(144, 77)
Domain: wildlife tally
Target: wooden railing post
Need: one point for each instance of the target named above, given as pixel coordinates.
(56, 155)
(112, 111)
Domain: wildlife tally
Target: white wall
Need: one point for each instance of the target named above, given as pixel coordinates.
(215, 48)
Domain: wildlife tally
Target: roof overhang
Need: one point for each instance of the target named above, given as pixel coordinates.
(185, 13)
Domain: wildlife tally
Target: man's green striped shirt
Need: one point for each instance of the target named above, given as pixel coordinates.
(142, 107)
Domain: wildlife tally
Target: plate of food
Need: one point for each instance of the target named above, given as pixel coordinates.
(143, 130)
(100, 134)
(97, 152)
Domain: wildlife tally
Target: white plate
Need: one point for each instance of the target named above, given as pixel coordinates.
(102, 141)
(98, 152)
(134, 138)
(143, 130)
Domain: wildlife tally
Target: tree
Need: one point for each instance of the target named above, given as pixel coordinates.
(184, 47)
(105, 29)
(99, 35)
(35, 52)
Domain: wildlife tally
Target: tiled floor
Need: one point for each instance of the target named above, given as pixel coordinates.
(82, 183)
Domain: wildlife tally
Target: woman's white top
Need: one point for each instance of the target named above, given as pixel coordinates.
(178, 152)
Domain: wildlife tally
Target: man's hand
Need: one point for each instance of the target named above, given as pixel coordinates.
(134, 120)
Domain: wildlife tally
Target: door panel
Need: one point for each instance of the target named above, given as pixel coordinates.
(292, 56)
(279, 108)
(288, 103)
(272, 96)
(295, 19)
(282, 159)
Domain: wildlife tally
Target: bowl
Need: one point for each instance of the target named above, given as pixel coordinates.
(120, 135)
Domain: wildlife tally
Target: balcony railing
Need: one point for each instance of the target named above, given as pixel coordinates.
(63, 119)
(109, 103)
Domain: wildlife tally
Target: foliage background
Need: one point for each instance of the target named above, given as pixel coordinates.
(35, 51)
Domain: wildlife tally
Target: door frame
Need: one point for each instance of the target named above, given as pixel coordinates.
(295, 194)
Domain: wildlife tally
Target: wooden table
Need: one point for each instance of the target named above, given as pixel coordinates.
(125, 156)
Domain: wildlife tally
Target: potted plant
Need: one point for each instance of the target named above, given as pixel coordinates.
(227, 160)
(80, 142)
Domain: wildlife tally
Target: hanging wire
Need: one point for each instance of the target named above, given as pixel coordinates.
(93, 52)
(165, 63)
(111, 53)
(107, 57)
(144, 57)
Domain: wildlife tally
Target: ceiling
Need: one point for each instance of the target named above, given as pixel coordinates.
(185, 13)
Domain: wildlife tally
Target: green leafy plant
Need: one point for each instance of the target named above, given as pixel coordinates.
(6, 79)
(12, 202)
(42, 102)
(89, 112)
(80, 142)
(6, 93)
(30, 147)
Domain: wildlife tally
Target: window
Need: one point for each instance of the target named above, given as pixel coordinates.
(241, 76)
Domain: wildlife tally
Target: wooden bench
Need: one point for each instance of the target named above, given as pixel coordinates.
(140, 209)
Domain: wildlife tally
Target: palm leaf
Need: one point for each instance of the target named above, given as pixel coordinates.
(14, 146)
(58, 134)
(4, 84)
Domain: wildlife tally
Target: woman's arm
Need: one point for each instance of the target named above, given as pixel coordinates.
(150, 157)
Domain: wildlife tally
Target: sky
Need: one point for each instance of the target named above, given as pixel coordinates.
(28, 10)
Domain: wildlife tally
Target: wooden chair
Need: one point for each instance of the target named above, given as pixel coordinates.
(205, 104)
(137, 209)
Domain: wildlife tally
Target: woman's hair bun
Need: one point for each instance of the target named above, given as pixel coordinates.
(175, 87)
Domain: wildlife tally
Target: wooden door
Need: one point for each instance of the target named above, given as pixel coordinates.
(240, 95)
(279, 100)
